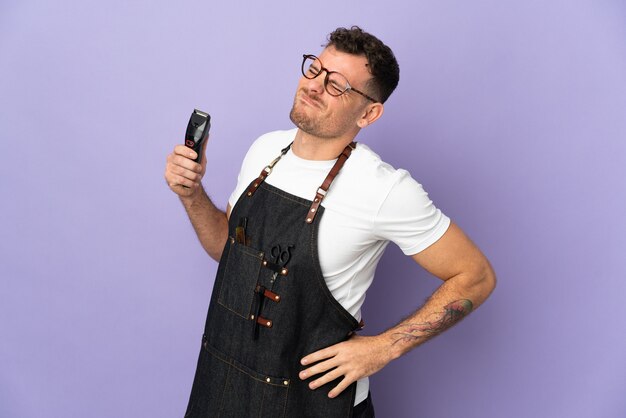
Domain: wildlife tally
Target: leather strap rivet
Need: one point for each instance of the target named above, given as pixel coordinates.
(316, 199)
(265, 262)
(313, 210)
(249, 193)
(251, 316)
(256, 185)
(283, 272)
(269, 323)
(268, 380)
(276, 298)
(308, 220)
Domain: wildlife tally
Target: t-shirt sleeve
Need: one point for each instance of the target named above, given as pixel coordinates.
(237, 192)
(244, 178)
(408, 217)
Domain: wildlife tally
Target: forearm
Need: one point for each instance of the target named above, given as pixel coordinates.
(468, 281)
(448, 305)
(209, 222)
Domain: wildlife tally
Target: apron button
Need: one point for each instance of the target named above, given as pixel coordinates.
(286, 382)
(268, 380)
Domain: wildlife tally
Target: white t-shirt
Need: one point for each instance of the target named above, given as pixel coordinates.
(368, 204)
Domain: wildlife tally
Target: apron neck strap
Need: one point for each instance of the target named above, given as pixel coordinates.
(266, 172)
(321, 191)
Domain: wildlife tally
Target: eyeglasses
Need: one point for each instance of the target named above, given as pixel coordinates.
(335, 83)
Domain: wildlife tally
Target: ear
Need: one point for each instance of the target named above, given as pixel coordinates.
(371, 114)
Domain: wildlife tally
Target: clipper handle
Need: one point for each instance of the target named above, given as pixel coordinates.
(197, 131)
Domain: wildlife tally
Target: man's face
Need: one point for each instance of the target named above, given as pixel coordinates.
(318, 113)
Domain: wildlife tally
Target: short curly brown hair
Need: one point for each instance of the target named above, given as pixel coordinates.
(382, 63)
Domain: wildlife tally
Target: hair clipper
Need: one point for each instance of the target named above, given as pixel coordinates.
(197, 131)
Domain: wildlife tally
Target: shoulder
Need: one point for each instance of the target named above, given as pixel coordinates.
(401, 210)
(366, 180)
(369, 171)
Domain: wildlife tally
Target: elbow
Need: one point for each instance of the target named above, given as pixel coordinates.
(490, 278)
(215, 255)
(215, 251)
(478, 282)
(485, 282)
(215, 247)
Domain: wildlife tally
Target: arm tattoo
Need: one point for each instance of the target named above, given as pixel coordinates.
(454, 312)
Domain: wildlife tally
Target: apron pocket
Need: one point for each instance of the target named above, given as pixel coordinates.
(243, 392)
(243, 265)
(264, 396)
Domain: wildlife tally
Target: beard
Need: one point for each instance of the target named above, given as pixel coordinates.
(304, 121)
(314, 121)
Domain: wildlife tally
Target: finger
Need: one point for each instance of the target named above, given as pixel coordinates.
(185, 162)
(320, 355)
(319, 368)
(328, 377)
(176, 180)
(173, 174)
(183, 172)
(185, 151)
(345, 382)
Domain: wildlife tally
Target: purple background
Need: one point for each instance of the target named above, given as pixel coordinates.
(512, 115)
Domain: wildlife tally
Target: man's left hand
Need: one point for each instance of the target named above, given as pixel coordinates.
(353, 359)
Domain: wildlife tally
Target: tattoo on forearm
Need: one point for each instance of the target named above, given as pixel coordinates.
(453, 313)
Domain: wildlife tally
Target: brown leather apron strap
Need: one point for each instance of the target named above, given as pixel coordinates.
(323, 189)
(266, 172)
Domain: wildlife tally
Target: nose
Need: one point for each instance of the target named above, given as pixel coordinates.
(315, 85)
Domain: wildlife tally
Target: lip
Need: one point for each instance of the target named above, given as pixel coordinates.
(306, 99)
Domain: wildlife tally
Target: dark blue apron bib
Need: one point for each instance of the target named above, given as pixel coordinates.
(270, 307)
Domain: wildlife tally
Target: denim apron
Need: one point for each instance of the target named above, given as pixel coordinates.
(270, 307)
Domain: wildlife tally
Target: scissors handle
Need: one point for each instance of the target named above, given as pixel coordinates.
(281, 256)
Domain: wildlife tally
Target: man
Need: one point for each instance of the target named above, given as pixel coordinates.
(280, 338)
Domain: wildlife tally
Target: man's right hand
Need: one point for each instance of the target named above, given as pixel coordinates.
(182, 173)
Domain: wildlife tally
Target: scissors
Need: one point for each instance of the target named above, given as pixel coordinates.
(280, 256)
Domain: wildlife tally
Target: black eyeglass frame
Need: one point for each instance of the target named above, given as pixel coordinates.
(328, 73)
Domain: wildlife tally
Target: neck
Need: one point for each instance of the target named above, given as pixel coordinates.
(310, 147)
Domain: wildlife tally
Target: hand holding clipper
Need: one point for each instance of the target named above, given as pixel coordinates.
(197, 131)
(184, 168)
